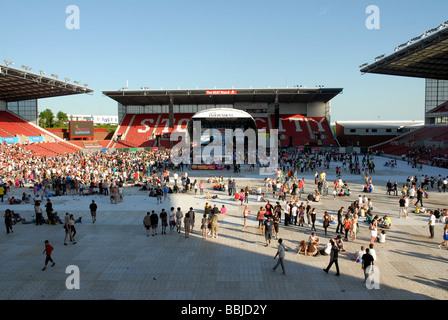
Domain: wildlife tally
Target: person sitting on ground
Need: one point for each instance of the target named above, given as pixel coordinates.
(382, 237)
(385, 222)
(316, 196)
(13, 200)
(302, 248)
(261, 198)
(26, 198)
(327, 250)
(359, 254)
(311, 249)
(314, 238)
(340, 243)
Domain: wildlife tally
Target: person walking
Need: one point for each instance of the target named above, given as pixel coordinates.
(419, 196)
(68, 231)
(276, 220)
(147, 222)
(187, 225)
(172, 218)
(214, 226)
(154, 222)
(281, 256)
(402, 204)
(72, 226)
(367, 261)
(347, 222)
(373, 229)
(313, 215)
(340, 217)
(164, 219)
(204, 226)
(431, 224)
(333, 258)
(179, 216)
(159, 194)
(38, 212)
(48, 251)
(49, 211)
(201, 187)
(8, 220)
(326, 221)
(191, 213)
(260, 217)
(246, 213)
(268, 227)
(93, 207)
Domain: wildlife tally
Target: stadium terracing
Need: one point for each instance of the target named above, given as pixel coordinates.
(426, 57)
(19, 93)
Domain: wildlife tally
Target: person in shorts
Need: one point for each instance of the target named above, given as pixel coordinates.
(268, 229)
(47, 251)
(147, 222)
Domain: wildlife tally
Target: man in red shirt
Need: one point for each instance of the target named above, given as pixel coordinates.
(48, 250)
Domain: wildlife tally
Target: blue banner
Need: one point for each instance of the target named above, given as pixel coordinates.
(10, 140)
(36, 139)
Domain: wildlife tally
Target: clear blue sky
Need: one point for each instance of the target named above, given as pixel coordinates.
(223, 44)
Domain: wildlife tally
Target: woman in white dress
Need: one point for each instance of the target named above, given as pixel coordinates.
(373, 229)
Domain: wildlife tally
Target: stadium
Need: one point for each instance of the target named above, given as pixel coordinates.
(302, 115)
(113, 253)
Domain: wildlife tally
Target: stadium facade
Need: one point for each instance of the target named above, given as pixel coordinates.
(302, 115)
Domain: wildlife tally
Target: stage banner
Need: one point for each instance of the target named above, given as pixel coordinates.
(207, 167)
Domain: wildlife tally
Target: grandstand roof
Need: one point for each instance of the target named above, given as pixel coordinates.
(380, 124)
(422, 57)
(18, 85)
(221, 96)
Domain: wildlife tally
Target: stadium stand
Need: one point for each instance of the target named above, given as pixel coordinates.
(141, 130)
(15, 126)
(430, 141)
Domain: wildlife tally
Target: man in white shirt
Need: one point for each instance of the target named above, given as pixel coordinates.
(432, 223)
(294, 213)
(327, 250)
(175, 176)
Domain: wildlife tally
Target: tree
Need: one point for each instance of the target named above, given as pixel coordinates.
(62, 119)
(46, 119)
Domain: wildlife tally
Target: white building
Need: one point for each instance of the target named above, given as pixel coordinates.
(97, 119)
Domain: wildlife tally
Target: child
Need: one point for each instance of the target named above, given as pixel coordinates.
(48, 250)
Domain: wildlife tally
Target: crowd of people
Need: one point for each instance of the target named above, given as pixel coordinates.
(107, 174)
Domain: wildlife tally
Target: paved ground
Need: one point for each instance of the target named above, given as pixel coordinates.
(117, 261)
